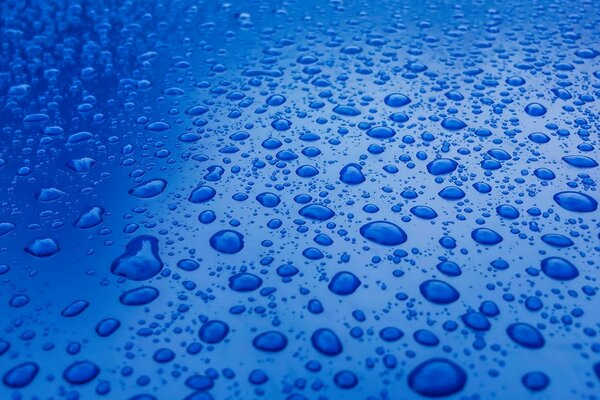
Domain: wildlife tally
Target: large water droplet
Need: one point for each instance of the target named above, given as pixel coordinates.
(139, 296)
(227, 241)
(21, 375)
(270, 341)
(526, 335)
(438, 292)
(486, 236)
(148, 189)
(559, 269)
(44, 247)
(140, 261)
(576, 201)
(437, 377)
(384, 233)
(326, 342)
(81, 372)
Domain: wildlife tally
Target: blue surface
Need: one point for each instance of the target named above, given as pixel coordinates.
(299, 200)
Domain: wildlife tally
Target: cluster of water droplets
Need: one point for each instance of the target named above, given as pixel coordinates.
(299, 200)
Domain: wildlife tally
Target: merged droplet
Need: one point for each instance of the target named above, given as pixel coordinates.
(139, 296)
(44, 247)
(89, 218)
(140, 261)
(49, 194)
(148, 189)
(6, 227)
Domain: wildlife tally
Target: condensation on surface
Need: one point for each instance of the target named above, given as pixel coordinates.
(299, 200)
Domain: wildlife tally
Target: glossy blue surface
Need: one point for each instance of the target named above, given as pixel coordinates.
(299, 199)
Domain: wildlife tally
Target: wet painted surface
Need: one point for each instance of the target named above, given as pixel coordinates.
(299, 200)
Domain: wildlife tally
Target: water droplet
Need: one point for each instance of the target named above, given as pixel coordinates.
(438, 292)
(576, 201)
(89, 218)
(44, 247)
(441, 166)
(486, 236)
(384, 233)
(344, 283)
(270, 341)
(81, 372)
(381, 132)
(21, 375)
(535, 109)
(213, 331)
(326, 342)
(139, 296)
(352, 174)
(148, 189)
(227, 241)
(559, 269)
(202, 194)
(244, 282)
(535, 381)
(140, 261)
(525, 335)
(396, 100)
(437, 377)
(317, 212)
